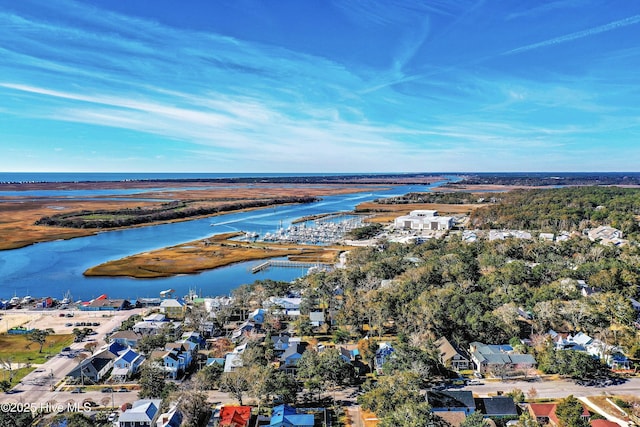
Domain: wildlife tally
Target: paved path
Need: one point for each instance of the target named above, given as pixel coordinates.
(608, 416)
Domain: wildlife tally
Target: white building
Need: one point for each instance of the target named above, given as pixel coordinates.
(424, 220)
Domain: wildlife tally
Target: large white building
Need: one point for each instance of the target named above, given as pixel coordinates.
(424, 220)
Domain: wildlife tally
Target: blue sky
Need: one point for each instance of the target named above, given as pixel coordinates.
(319, 85)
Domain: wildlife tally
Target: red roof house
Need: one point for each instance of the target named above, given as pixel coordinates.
(235, 416)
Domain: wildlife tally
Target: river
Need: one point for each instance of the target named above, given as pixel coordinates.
(55, 268)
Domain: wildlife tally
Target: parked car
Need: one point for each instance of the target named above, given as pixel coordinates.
(107, 390)
(68, 324)
(112, 417)
(475, 382)
(77, 390)
(123, 390)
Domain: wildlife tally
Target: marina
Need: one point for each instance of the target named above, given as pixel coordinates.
(56, 267)
(325, 230)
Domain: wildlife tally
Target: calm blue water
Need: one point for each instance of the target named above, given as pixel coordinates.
(53, 268)
(135, 176)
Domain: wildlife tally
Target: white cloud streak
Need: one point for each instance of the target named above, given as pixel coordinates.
(632, 20)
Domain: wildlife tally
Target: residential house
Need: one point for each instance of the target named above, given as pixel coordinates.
(549, 237)
(126, 338)
(607, 235)
(93, 369)
(383, 353)
(545, 413)
(604, 423)
(349, 353)
(453, 419)
(424, 220)
(257, 316)
(233, 360)
(106, 305)
(196, 338)
(506, 234)
(171, 418)
(235, 416)
(172, 361)
(499, 360)
(497, 407)
(246, 328)
(173, 308)
(280, 343)
(155, 317)
(450, 356)
(289, 359)
(143, 413)
(283, 305)
(316, 318)
(451, 401)
(127, 365)
(152, 327)
(286, 416)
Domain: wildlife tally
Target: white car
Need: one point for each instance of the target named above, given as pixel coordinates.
(474, 382)
(112, 417)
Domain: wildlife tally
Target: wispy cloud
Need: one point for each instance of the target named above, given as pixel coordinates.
(632, 20)
(138, 93)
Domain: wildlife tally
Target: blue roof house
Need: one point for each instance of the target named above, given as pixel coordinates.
(286, 416)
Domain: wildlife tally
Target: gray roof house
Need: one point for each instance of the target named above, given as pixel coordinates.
(499, 358)
(497, 406)
(451, 401)
(144, 413)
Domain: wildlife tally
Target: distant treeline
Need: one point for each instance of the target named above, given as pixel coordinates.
(461, 198)
(549, 179)
(165, 212)
(570, 209)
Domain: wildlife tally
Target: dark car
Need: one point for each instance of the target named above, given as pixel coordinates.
(107, 390)
(123, 390)
(77, 390)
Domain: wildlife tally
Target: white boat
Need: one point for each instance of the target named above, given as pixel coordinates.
(14, 301)
(26, 300)
(67, 298)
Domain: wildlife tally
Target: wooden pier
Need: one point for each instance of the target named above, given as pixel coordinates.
(288, 264)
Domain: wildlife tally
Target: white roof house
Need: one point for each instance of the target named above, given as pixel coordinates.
(424, 220)
(144, 413)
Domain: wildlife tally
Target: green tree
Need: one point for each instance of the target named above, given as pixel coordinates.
(39, 336)
(208, 377)
(474, 420)
(517, 395)
(282, 386)
(236, 383)
(569, 412)
(310, 371)
(152, 382)
(526, 420)
(412, 414)
(391, 392)
(69, 419)
(193, 406)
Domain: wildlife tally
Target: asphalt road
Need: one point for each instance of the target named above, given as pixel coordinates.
(556, 388)
(36, 388)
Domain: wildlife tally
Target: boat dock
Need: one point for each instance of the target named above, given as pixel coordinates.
(289, 264)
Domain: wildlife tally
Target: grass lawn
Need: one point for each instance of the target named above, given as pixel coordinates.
(18, 375)
(19, 349)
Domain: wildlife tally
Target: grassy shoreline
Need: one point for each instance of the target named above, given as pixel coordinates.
(19, 215)
(207, 254)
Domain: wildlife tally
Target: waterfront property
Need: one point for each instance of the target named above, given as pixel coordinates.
(424, 220)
